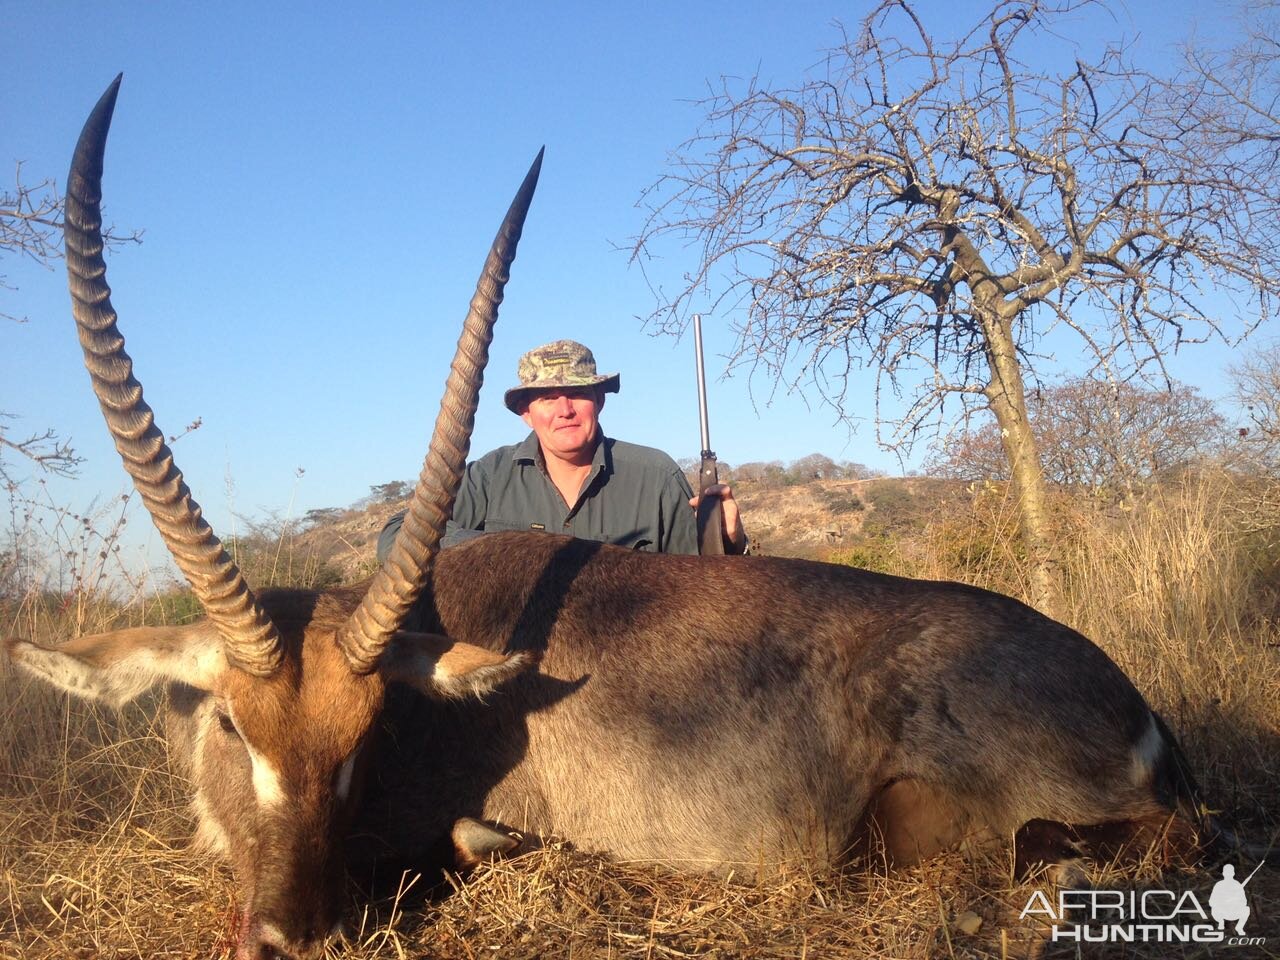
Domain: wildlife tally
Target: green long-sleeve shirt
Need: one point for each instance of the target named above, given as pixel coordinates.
(634, 497)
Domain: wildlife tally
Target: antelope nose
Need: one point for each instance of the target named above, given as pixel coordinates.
(265, 947)
(255, 949)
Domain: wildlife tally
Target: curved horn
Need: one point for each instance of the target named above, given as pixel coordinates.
(404, 574)
(250, 639)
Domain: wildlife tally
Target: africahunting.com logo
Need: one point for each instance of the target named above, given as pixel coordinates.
(1149, 916)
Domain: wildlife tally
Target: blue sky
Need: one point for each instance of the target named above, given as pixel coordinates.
(318, 187)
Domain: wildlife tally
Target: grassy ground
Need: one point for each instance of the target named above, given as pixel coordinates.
(1180, 590)
(124, 888)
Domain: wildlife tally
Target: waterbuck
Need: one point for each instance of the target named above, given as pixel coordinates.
(706, 713)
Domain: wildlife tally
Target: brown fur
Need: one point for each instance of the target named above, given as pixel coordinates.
(304, 721)
(720, 713)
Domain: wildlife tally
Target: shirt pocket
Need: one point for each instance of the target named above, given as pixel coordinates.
(633, 541)
(495, 525)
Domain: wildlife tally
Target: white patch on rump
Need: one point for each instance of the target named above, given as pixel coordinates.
(1147, 752)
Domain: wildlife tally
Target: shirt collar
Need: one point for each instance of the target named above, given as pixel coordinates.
(528, 450)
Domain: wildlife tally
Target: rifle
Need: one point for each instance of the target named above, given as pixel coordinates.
(710, 522)
(1250, 876)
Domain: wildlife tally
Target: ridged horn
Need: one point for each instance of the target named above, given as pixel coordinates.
(404, 574)
(250, 639)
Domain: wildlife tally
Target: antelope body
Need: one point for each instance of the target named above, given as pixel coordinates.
(708, 713)
(718, 713)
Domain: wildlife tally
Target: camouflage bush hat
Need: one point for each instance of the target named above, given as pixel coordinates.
(562, 363)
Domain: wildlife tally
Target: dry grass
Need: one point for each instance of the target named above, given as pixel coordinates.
(93, 825)
(120, 890)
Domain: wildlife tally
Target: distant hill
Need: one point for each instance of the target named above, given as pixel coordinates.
(811, 519)
(815, 518)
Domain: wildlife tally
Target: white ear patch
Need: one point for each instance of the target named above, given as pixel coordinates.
(446, 668)
(119, 666)
(62, 671)
(463, 676)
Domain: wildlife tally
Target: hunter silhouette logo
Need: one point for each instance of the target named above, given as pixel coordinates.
(1227, 901)
(1149, 916)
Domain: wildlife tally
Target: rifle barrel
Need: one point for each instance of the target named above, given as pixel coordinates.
(702, 386)
(1250, 876)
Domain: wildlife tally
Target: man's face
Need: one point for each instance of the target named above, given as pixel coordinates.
(565, 420)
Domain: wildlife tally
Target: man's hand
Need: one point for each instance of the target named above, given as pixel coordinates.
(733, 532)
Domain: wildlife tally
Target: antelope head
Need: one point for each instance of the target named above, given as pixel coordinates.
(291, 682)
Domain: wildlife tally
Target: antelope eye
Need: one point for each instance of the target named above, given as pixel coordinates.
(224, 721)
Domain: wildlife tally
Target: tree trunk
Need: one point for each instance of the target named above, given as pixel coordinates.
(1007, 397)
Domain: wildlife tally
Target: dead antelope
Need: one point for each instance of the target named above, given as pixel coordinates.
(706, 713)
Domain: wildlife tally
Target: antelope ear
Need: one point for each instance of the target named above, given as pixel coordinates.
(118, 666)
(437, 665)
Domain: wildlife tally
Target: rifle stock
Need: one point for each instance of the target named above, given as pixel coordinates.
(710, 512)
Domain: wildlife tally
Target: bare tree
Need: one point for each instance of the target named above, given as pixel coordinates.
(814, 466)
(45, 449)
(769, 474)
(31, 228)
(932, 209)
(1232, 96)
(1256, 383)
(1101, 438)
